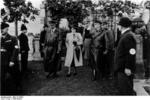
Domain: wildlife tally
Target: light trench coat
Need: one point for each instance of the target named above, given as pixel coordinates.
(71, 50)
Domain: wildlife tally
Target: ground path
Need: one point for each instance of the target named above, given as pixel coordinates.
(37, 84)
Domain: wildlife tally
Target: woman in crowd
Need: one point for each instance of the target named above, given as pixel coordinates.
(63, 30)
(74, 54)
(86, 45)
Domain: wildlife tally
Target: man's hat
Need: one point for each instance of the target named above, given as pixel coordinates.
(138, 22)
(125, 22)
(4, 25)
(23, 27)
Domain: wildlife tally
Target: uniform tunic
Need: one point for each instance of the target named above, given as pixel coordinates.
(50, 51)
(95, 48)
(109, 56)
(9, 53)
(24, 48)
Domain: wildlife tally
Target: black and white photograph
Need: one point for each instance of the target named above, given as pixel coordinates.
(74, 48)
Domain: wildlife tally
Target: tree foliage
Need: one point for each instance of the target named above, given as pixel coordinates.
(18, 10)
(72, 10)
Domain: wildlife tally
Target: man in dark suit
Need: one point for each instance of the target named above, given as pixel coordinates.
(42, 39)
(125, 58)
(24, 48)
(10, 79)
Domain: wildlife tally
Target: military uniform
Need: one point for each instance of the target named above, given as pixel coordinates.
(9, 53)
(125, 58)
(95, 51)
(24, 48)
(108, 53)
(51, 56)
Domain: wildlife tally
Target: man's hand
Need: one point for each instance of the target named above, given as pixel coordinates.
(105, 52)
(11, 64)
(127, 72)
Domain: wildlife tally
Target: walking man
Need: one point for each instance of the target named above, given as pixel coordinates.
(125, 58)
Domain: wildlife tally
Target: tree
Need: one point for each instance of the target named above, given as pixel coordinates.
(18, 10)
(72, 10)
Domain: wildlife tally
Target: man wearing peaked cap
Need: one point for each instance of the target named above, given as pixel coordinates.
(9, 62)
(125, 58)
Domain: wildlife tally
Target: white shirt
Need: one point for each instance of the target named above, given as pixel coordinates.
(123, 31)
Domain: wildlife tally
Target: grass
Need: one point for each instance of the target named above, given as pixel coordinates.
(37, 84)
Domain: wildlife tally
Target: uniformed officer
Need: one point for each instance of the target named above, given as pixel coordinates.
(95, 49)
(10, 79)
(108, 53)
(51, 51)
(24, 48)
(125, 58)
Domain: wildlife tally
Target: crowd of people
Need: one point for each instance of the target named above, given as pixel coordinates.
(94, 45)
(109, 53)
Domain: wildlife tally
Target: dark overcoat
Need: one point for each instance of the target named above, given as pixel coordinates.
(10, 76)
(125, 58)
